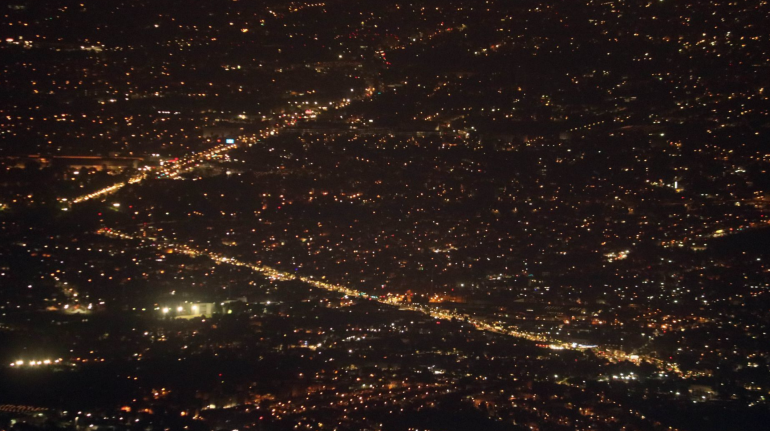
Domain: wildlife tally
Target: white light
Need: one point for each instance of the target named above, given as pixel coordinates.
(165, 310)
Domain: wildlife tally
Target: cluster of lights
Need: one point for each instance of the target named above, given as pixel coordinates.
(171, 170)
(35, 363)
(109, 190)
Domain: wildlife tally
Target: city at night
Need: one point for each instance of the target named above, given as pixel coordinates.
(344, 215)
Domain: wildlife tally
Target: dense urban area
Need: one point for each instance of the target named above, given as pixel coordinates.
(433, 215)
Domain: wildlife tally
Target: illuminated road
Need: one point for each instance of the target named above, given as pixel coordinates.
(176, 167)
(430, 310)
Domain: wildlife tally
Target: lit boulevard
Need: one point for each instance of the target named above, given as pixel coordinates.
(433, 311)
(173, 168)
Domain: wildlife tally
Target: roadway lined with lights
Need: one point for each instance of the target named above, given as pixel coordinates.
(430, 310)
(174, 168)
